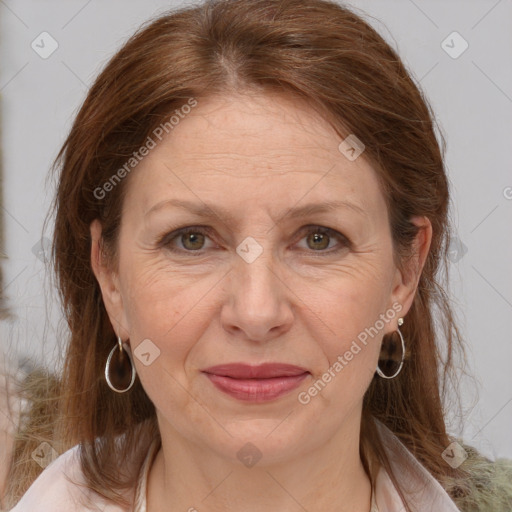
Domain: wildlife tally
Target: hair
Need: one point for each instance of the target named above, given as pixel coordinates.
(319, 52)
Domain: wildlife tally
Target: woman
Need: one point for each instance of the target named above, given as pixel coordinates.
(250, 220)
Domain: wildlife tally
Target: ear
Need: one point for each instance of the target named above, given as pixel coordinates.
(406, 279)
(109, 283)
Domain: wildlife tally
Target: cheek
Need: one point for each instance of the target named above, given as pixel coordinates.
(165, 306)
(349, 330)
(172, 310)
(350, 301)
(350, 351)
(167, 316)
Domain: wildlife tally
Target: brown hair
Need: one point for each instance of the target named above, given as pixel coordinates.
(314, 50)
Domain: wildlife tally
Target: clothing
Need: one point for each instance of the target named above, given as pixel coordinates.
(52, 492)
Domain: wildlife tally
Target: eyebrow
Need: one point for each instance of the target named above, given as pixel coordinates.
(204, 210)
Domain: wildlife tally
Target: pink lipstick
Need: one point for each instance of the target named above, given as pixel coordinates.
(256, 383)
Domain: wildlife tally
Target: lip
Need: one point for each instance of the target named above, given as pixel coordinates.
(262, 371)
(256, 383)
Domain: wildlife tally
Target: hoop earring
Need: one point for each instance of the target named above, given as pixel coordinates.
(390, 348)
(120, 371)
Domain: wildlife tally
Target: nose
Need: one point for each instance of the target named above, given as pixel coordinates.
(257, 306)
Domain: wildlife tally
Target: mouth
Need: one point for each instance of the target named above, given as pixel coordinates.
(256, 383)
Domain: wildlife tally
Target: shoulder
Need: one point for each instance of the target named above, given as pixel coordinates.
(486, 486)
(61, 488)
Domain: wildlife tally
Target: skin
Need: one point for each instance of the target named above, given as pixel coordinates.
(256, 157)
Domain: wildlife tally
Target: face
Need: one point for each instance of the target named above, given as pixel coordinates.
(265, 274)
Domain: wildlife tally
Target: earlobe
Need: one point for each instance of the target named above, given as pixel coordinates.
(408, 277)
(108, 282)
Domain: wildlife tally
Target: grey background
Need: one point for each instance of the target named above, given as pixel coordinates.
(472, 98)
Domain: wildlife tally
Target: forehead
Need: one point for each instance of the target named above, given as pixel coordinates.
(242, 149)
(267, 131)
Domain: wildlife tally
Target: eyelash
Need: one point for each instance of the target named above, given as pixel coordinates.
(166, 240)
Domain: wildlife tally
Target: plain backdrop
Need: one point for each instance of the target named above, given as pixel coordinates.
(470, 90)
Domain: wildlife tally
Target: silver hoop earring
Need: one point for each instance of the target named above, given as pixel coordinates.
(390, 362)
(120, 371)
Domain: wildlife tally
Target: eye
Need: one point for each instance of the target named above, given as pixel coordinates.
(193, 241)
(191, 238)
(319, 238)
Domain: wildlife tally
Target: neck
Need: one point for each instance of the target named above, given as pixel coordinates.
(189, 477)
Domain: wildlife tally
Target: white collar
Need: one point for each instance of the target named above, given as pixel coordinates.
(422, 490)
